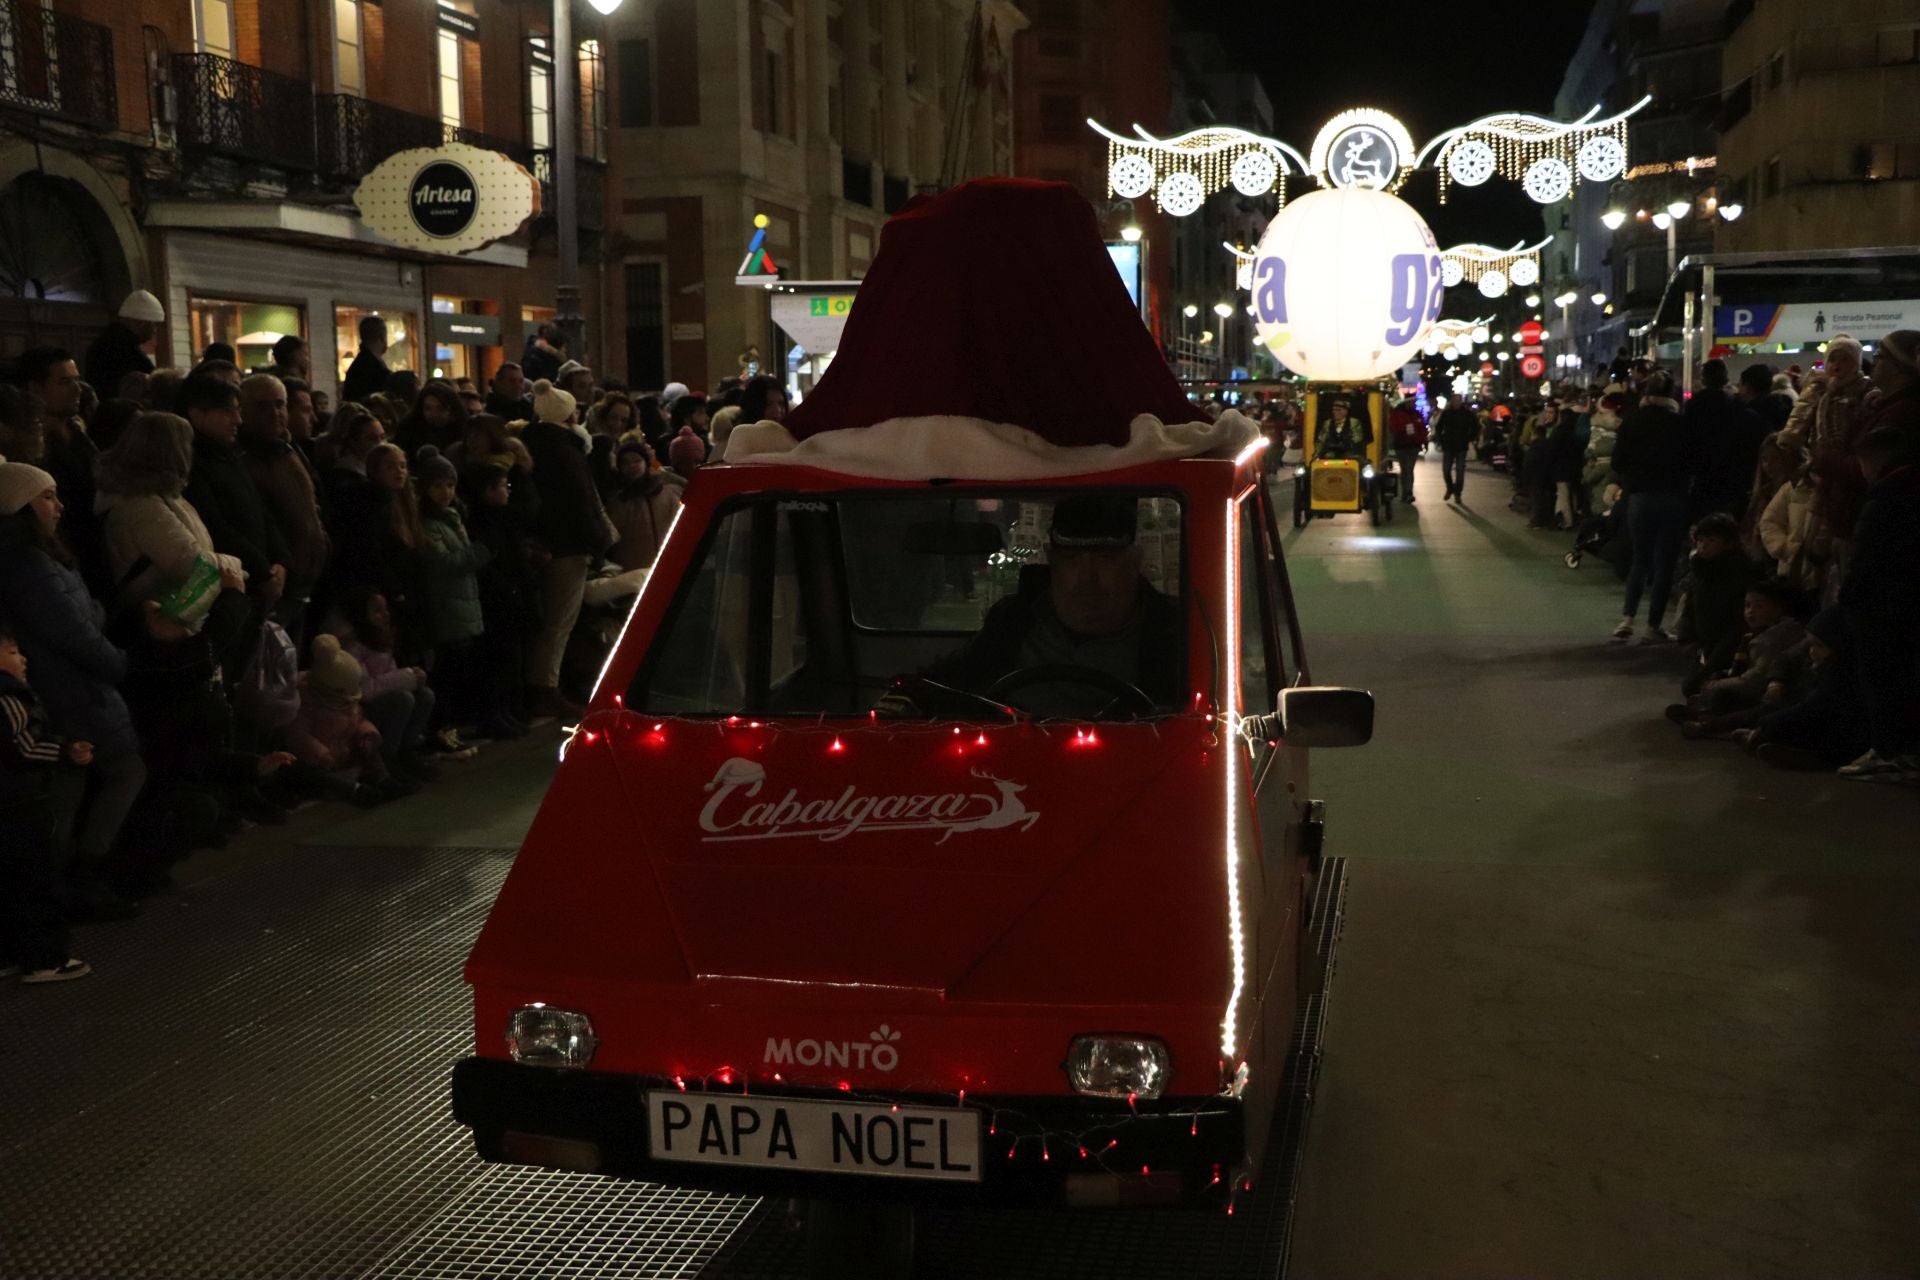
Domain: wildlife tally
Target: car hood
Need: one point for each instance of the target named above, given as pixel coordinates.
(1013, 863)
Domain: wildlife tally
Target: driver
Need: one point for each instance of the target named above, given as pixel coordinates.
(1096, 612)
(1342, 435)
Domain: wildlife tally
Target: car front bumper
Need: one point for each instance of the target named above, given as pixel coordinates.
(1034, 1150)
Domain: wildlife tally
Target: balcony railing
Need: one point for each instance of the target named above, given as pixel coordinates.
(244, 112)
(589, 184)
(485, 141)
(55, 64)
(355, 134)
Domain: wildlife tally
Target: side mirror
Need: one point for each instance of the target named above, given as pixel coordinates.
(1318, 716)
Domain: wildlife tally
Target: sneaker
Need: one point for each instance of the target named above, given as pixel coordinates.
(1656, 635)
(66, 971)
(1572, 559)
(1623, 632)
(1870, 763)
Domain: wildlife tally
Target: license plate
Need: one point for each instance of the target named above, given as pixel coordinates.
(815, 1135)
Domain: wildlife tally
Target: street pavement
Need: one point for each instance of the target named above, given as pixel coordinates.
(1608, 1003)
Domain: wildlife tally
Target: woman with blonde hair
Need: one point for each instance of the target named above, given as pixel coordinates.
(155, 542)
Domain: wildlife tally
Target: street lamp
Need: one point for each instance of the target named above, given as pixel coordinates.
(566, 74)
(1533, 300)
(1732, 211)
(1679, 209)
(1599, 299)
(1190, 310)
(1223, 309)
(1613, 219)
(1131, 233)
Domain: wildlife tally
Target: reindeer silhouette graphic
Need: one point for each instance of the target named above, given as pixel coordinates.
(1357, 167)
(1008, 810)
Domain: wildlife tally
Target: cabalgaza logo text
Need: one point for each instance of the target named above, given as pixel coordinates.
(735, 813)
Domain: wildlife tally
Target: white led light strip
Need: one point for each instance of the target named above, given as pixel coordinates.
(1227, 729)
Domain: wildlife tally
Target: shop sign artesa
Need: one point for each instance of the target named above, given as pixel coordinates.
(450, 199)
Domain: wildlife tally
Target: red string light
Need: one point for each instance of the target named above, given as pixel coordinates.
(680, 1084)
(837, 747)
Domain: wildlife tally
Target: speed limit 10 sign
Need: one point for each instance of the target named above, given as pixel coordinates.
(1533, 366)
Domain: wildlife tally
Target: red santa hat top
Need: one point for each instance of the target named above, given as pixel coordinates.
(996, 301)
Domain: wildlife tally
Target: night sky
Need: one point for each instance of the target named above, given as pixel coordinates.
(1434, 64)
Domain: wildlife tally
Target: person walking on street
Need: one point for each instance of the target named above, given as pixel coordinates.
(1407, 434)
(1455, 430)
(368, 373)
(1654, 461)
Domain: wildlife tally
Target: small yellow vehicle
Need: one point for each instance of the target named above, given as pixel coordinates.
(1344, 467)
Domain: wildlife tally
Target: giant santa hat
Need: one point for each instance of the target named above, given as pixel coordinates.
(992, 339)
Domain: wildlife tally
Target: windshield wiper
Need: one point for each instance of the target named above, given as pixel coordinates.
(968, 695)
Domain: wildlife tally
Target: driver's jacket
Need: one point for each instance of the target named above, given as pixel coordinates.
(1010, 638)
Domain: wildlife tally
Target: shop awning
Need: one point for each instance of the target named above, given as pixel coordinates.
(306, 224)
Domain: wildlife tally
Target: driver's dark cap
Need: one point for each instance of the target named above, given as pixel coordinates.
(1094, 520)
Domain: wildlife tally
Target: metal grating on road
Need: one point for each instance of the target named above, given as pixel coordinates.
(527, 1222)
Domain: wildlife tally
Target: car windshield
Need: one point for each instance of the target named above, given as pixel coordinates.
(966, 604)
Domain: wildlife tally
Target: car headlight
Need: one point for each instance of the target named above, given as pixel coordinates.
(1118, 1066)
(1298, 472)
(542, 1036)
(1366, 472)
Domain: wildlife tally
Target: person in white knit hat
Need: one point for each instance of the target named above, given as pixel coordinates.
(121, 347)
(573, 525)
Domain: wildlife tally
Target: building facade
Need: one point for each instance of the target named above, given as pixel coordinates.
(1670, 50)
(821, 116)
(207, 150)
(1820, 128)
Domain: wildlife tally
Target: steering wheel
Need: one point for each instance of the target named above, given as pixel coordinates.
(1126, 695)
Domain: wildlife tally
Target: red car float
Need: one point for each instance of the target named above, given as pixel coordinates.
(939, 827)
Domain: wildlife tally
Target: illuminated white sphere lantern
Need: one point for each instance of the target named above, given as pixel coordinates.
(1346, 284)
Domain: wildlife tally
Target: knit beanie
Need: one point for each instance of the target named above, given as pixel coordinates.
(334, 670)
(687, 451)
(432, 467)
(551, 404)
(21, 484)
(1844, 342)
(1902, 346)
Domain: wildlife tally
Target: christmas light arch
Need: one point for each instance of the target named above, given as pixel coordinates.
(1369, 148)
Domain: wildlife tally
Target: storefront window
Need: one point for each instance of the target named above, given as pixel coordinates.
(403, 336)
(249, 327)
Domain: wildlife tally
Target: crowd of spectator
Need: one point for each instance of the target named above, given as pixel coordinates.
(222, 599)
(1783, 514)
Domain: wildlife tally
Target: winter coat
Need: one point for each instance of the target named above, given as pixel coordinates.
(1764, 658)
(1883, 578)
(230, 504)
(69, 458)
(367, 552)
(1716, 592)
(166, 533)
(284, 480)
(1726, 435)
(641, 511)
(572, 521)
(1787, 529)
(509, 583)
(29, 749)
(1828, 416)
(1456, 428)
(76, 669)
(367, 374)
(331, 732)
(114, 354)
(381, 673)
(510, 410)
(450, 566)
(1566, 459)
(1653, 453)
(1406, 430)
